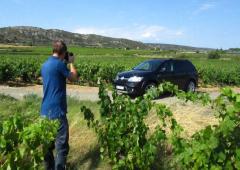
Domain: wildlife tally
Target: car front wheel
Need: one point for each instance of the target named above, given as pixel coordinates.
(149, 86)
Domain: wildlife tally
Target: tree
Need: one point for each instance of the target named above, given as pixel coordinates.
(214, 54)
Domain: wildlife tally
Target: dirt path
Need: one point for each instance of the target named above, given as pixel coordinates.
(86, 93)
(78, 92)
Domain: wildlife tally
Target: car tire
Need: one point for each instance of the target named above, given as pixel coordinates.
(191, 86)
(133, 96)
(149, 86)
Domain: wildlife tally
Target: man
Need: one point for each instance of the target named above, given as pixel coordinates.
(54, 104)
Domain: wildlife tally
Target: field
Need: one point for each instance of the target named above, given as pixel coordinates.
(23, 64)
(152, 129)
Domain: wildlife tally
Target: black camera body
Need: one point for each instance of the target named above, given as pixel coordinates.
(66, 57)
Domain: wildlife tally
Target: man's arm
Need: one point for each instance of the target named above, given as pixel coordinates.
(73, 73)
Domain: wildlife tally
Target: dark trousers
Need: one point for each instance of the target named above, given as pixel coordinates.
(62, 147)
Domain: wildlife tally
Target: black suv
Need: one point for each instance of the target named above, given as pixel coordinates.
(152, 72)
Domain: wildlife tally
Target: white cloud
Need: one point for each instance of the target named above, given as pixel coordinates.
(205, 7)
(89, 30)
(151, 33)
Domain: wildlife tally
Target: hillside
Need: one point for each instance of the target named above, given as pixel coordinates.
(26, 35)
(177, 47)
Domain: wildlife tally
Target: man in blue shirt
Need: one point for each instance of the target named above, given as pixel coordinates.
(54, 104)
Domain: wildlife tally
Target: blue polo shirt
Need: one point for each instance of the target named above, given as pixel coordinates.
(54, 73)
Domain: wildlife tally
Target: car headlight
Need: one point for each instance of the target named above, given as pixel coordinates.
(135, 79)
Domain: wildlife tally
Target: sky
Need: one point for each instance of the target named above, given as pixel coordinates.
(201, 23)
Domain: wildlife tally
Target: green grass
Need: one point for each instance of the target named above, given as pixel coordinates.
(84, 151)
(46, 50)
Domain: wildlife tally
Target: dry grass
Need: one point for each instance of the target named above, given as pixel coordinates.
(13, 46)
(192, 117)
(84, 151)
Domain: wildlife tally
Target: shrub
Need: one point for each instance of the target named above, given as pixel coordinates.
(214, 55)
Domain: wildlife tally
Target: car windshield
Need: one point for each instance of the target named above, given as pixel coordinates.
(151, 65)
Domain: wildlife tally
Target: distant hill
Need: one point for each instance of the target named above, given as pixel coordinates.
(26, 35)
(177, 47)
(233, 50)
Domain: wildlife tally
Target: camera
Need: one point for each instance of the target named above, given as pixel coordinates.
(66, 57)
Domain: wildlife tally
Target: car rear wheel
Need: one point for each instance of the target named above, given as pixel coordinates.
(191, 87)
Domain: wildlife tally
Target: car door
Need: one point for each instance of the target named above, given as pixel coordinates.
(165, 72)
(180, 73)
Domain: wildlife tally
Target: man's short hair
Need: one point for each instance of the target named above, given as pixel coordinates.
(59, 47)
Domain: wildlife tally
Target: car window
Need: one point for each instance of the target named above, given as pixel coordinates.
(190, 66)
(168, 67)
(144, 66)
(179, 66)
(151, 65)
(183, 66)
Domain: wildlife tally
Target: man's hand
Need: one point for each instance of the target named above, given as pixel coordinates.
(73, 76)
